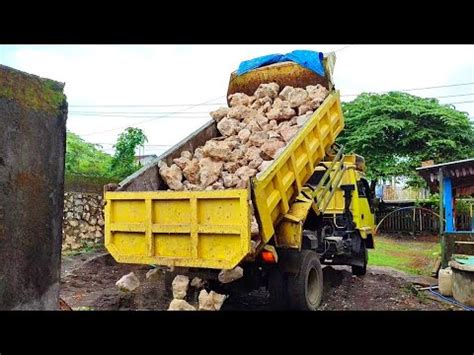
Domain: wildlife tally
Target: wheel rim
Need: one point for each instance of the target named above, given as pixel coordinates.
(312, 286)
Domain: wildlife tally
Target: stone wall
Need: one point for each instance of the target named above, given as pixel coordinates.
(83, 223)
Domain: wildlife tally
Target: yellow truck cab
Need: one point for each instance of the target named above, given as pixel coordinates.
(313, 206)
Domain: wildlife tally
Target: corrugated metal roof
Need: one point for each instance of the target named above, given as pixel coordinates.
(461, 173)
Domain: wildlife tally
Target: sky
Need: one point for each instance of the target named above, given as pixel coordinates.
(111, 87)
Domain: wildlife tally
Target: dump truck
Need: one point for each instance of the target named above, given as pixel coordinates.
(313, 206)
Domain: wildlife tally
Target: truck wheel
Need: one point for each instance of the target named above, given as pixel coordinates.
(364, 255)
(277, 287)
(306, 287)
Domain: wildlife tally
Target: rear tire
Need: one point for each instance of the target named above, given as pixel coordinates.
(306, 287)
(277, 287)
(364, 255)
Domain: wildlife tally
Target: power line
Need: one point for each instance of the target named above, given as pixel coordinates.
(153, 116)
(457, 103)
(442, 97)
(151, 119)
(416, 89)
(147, 116)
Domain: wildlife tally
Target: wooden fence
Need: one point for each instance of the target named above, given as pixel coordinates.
(409, 221)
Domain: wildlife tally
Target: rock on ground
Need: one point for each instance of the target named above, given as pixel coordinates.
(153, 274)
(128, 283)
(211, 301)
(180, 305)
(180, 286)
(197, 282)
(227, 276)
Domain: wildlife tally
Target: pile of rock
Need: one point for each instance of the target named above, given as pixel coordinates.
(83, 220)
(254, 131)
(207, 301)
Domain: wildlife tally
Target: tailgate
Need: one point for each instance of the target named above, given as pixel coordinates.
(208, 229)
(279, 185)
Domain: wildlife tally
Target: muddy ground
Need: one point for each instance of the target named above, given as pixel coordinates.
(88, 282)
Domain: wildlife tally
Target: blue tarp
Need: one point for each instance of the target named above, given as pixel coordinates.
(309, 59)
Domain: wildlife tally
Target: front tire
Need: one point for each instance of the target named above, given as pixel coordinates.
(306, 287)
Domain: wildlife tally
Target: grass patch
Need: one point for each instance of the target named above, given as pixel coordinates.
(86, 249)
(413, 257)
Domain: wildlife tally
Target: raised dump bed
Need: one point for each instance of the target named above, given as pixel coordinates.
(211, 229)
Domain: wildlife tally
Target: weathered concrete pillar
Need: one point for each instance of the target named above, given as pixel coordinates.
(33, 114)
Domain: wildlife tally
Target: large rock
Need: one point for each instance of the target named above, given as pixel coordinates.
(253, 126)
(228, 276)
(317, 92)
(198, 154)
(217, 150)
(240, 99)
(171, 175)
(229, 180)
(295, 96)
(197, 282)
(180, 286)
(241, 112)
(191, 171)
(180, 305)
(181, 162)
(280, 111)
(288, 132)
(237, 154)
(209, 171)
(261, 104)
(228, 126)
(252, 153)
(269, 149)
(255, 163)
(220, 113)
(232, 166)
(244, 135)
(153, 274)
(267, 90)
(186, 154)
(258, 138)
(128, 283)
(245, 172)
(211, 301)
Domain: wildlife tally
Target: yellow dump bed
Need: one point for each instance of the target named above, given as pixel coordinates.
(211, 229)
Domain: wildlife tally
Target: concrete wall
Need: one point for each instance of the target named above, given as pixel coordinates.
(33, 114)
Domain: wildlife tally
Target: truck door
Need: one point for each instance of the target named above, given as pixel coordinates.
(366, 204)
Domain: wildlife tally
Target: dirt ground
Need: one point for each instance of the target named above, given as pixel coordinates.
(88, 283)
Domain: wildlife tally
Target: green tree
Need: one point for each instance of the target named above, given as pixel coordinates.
(83, 158)
(123, 162)
(396, 131)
